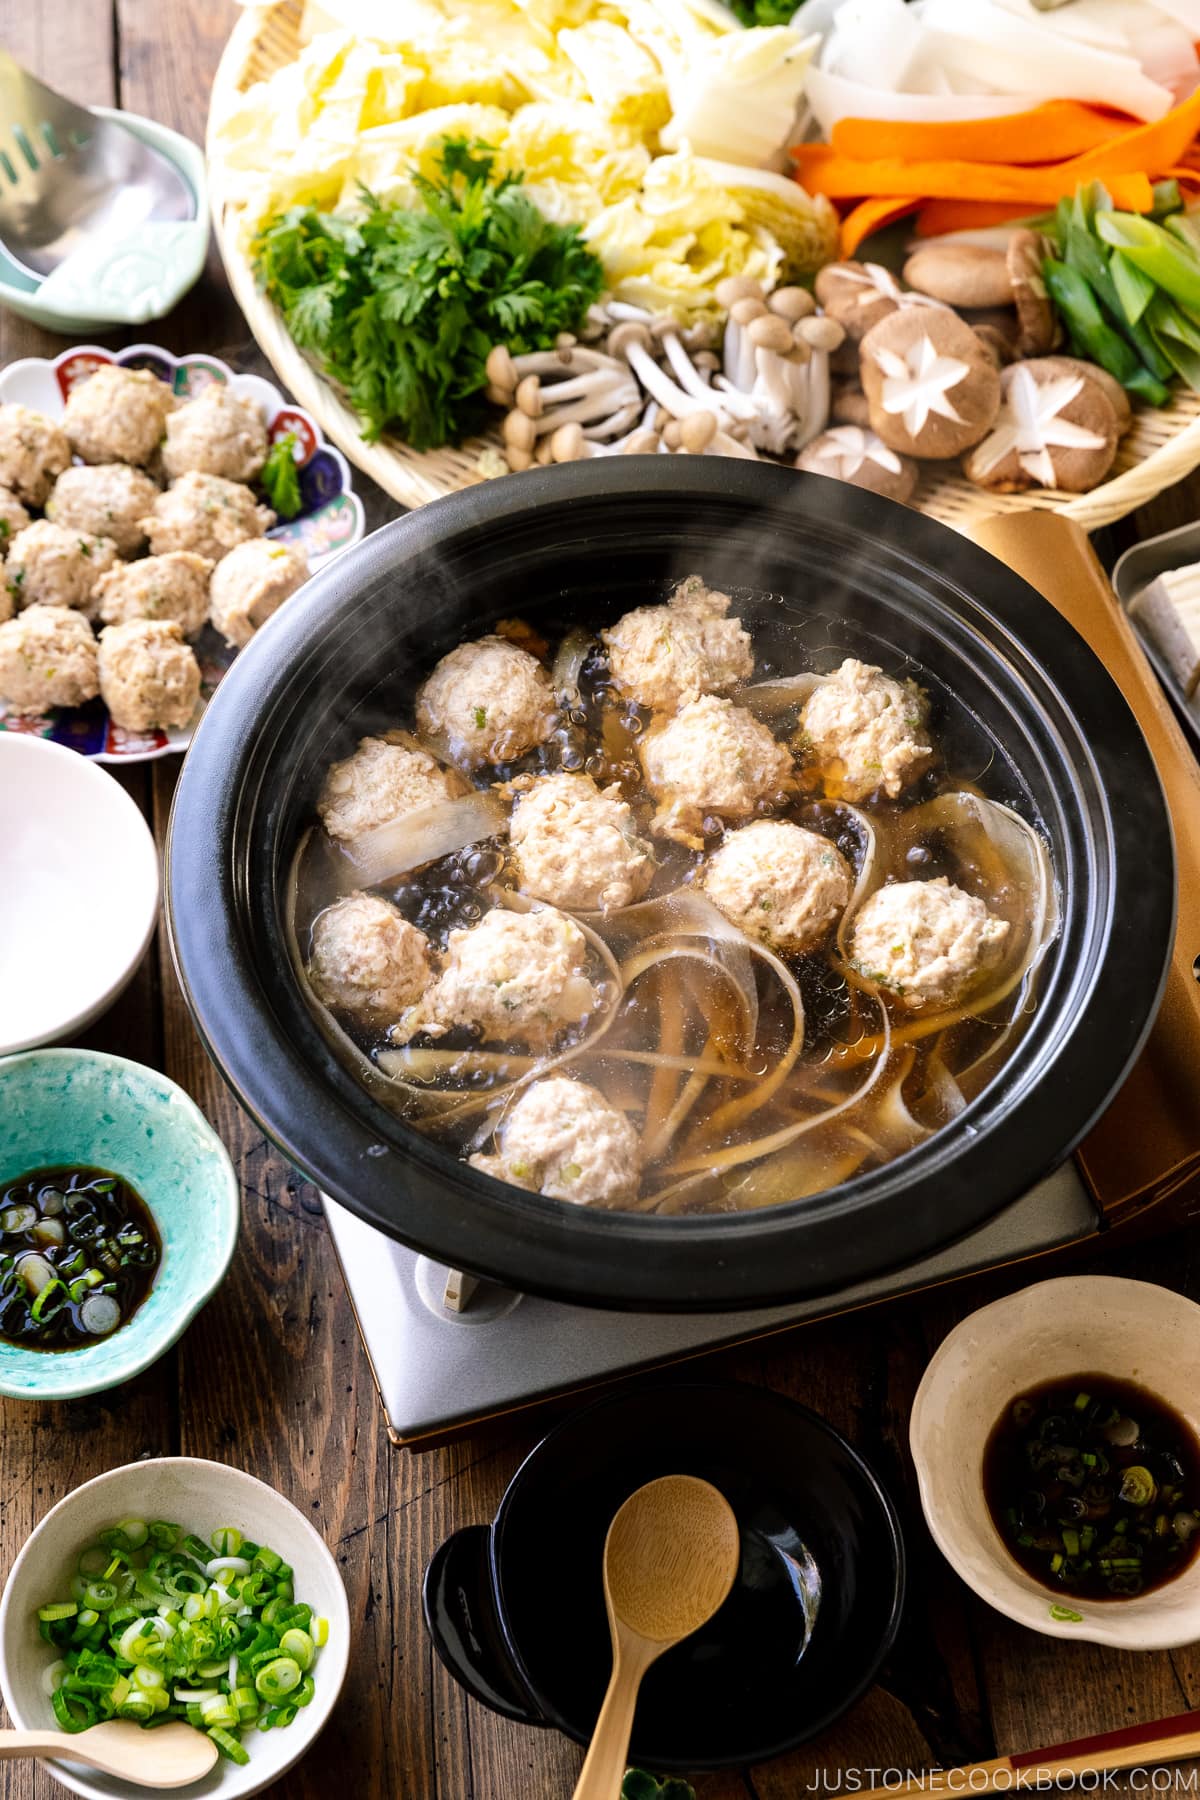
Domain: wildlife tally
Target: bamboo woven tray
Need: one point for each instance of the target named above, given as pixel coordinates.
(1160, 449)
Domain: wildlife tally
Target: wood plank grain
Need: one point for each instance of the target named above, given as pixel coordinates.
(74, 54)
(81, 63)
(272, 1375)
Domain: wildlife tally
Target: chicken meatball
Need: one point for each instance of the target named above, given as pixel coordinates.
(562, 1138)
(367, 959)
(204, 514)
(712, 758)
(218, 433)
(251, 584)
(13, 516)
(158, 587)
(51, 565)
(149, 678)
(118, 415)
(927, 942)
(490, 700)
(780, 883)
(661, 656)
(33, 453)
(578, 845)
(866, 732)
(106, 500)
(385, 778)
(515, 978)
(47, 658)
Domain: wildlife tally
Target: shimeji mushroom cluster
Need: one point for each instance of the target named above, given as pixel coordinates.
(641, 383)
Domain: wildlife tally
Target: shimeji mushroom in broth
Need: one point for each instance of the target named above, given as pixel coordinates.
(647, 920)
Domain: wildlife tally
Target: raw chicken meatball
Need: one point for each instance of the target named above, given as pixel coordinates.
(780, 883)
(33, 453)
(385, 778)
(367, 959)
(661, 656)
(13, 516)
(578, 846)
(47, 658)
(118, 415)
(252, 583)
(51, 565)
(219, 433)
(158, 587)
(490, 700)
(712, 758)
(515, 978)
(866, 732)
(106, 499)
(562, 1138)
(149, 678)
(925, 941)
(204, 514)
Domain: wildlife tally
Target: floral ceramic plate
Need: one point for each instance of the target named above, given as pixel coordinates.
(330, 520)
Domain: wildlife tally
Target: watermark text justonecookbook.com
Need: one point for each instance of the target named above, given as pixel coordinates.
(1150, 1780)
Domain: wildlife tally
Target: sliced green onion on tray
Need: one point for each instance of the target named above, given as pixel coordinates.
(164, 1625)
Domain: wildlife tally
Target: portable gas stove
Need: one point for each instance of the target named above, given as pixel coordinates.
(441, 1368)
(448, 1351)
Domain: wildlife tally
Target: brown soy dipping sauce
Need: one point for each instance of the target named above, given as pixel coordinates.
(79, 1251)
(1094, 1484)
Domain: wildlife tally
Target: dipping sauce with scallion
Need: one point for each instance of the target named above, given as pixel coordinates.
(1094, 1485)
(78, 1254)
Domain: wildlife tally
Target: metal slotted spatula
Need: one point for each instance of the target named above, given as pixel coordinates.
(68, 176)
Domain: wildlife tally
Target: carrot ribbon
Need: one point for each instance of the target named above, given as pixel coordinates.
(975, 172)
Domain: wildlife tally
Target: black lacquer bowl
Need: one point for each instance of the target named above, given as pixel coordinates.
(516, 1608)
(836, 572)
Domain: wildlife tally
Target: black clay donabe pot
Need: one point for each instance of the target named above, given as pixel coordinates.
(516, 1608)
(837, 568)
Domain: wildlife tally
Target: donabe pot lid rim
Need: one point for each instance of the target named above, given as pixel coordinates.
(891, 1549)
(707, 1263)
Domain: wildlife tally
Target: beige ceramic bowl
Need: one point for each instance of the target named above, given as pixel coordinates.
(1080, 1325)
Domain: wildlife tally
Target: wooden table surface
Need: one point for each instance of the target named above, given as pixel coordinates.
(272, 1376)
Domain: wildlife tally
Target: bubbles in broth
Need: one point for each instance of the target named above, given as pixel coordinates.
(672, 915)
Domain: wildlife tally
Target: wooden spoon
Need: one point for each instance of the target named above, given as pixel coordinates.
(669, 1561)
(170, 1756)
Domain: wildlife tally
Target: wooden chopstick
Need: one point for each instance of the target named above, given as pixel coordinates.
(1161, 1741)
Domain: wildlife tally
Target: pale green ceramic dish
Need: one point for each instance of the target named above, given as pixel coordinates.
(125, 283)
(79, 1106)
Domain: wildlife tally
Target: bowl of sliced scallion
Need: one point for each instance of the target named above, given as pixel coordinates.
(177, 1589)
(119, 1212)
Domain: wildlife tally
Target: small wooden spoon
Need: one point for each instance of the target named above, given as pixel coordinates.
(170, 1756)
(669, 1561)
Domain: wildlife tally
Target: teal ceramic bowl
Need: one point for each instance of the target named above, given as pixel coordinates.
(128, 282)
(80, 1106)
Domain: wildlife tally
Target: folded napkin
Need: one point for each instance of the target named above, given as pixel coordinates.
(1146, 1148)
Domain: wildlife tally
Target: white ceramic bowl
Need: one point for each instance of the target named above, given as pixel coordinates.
(79, 898)
(1079, 1325)
(200, 1496)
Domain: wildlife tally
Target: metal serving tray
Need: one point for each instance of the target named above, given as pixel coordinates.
(1134, 571)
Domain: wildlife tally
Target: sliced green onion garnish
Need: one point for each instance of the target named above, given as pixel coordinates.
(229, 1746)
(159, 1627)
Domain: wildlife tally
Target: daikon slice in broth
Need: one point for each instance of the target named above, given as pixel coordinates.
(749, 1071)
